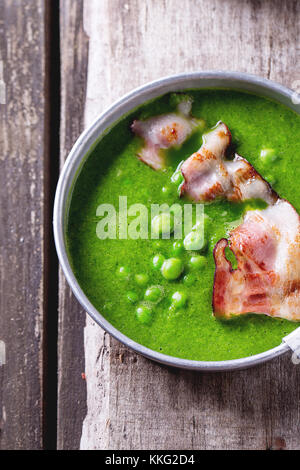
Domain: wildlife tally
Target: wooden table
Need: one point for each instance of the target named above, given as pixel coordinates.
(107, 48)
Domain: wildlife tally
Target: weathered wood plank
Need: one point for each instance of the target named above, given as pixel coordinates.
(135, 403)
(71, 386)
(23, 128)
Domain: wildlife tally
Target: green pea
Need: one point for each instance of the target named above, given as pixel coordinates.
(197, 262)
(132, 297)
(158, 261)
(177, 247)
(162, 224)
(268, 156)
(194, 241)
(172, 268)
(144, 314)
(179, 299)
(153, 294)
(123, 272)
(189, 279)
(141, 279)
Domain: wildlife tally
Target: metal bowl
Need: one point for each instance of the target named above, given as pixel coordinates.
(88, 140)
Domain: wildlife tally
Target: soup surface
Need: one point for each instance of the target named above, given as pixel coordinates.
(175, 316)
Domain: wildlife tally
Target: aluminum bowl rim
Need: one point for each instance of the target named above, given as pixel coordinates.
(71, 167)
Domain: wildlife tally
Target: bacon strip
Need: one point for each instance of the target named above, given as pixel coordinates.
(204, 172)
(163, 132)
(208, 176)
(267, 279)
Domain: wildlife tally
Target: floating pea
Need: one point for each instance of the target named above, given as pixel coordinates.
(162, 224)
(141, 279)
(153, 294)
(268, 156)
(144, 314)
(132, 297)
(194, 241)
(172, 268)
(158, 261)
(179, 299)
(123, 272)
(177, 247)
(197, 262)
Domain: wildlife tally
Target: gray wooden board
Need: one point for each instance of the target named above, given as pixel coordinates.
(131, 402)
(71, 385)
(23, 143)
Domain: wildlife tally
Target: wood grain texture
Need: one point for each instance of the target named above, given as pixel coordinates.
(133, 403)
(23, 127)
(71, 386)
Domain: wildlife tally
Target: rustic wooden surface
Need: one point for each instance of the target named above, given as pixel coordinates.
(133, 403)
(71, 386)
(109, 47)
(23, 143)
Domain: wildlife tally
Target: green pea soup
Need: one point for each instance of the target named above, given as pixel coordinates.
(162, 304)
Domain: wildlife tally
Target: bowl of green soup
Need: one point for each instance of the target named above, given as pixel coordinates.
(145, 272)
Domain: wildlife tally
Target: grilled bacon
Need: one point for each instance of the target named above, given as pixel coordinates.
(208, 175)
(163, 132)
(267, 279)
